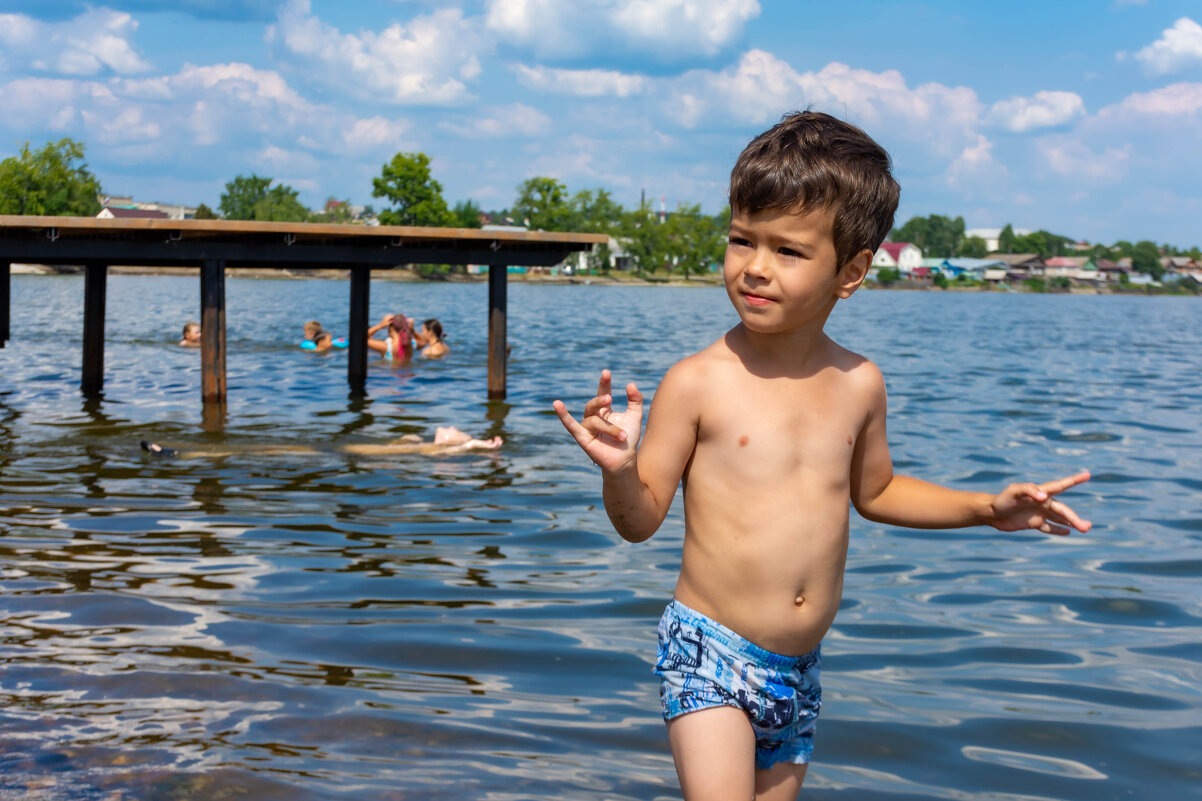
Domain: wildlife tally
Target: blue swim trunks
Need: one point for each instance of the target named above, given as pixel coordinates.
(702, 664)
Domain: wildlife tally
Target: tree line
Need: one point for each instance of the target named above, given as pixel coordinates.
(943, 237)
(55, 181)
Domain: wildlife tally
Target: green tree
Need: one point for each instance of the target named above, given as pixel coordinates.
(972, 247)
(466, 214)
(542, 205)
(594, 211)
(694, 240)
(281, 204)
(241, 195)
(936, 236)
(1145, 258)
(53, 181)
(203, 212)
(646, 239)
(416, 197)
(1005, 240)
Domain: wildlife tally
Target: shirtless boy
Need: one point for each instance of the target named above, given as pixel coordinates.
(772, 430)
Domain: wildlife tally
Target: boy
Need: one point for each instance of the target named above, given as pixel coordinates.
(191, 335)
(772, 430)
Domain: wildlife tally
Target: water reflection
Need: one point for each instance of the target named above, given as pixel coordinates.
(283, 625)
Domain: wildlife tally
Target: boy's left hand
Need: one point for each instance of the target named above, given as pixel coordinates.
(1023, 506)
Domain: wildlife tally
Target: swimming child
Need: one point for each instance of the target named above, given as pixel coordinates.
(431, 339)
(191, 335)
(319, 339)
(447, 440)
(772, 432)
(398, 343)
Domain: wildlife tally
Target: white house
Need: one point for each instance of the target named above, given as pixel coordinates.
(905, 257)
(992, 235)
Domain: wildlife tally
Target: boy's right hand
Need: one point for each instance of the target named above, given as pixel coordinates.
(608, 437)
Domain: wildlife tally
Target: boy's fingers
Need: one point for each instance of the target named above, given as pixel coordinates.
(575, 429)
(633, 396)
(1061, 484)
(603, 384)
(598, 427)
(1052, 528)
(595, 405)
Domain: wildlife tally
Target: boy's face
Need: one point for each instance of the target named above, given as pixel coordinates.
(782, 272)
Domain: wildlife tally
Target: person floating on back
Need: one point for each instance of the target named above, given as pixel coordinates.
(771, 431)
(191, 335)
(397, 346)
(430, 339)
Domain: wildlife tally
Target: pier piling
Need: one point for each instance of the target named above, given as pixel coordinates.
(95, 282)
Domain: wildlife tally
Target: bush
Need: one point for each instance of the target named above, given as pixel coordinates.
(887, 275)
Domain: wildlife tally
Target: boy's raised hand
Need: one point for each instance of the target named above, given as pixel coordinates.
(608, 437)
(1023, 506)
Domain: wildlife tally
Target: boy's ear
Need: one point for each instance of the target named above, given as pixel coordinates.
(853, 273)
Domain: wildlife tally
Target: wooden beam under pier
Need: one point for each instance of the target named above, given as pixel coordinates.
(5, 300)
(212, 332)
(356, 338)
(498, 275)
(92, 376)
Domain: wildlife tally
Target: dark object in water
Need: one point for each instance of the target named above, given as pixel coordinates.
(157, 449)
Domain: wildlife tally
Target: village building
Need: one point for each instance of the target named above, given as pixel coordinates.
(992, 236)
(1021, 265)
(975, 269)
(905, 257)
(119, 213)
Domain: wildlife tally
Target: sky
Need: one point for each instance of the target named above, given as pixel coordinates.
(1083, 117)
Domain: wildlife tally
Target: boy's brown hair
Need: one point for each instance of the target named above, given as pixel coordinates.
(811, 160)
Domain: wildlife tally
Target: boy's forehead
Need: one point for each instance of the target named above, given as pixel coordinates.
(816, 221)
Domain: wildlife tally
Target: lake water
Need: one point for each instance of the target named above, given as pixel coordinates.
(469, 627)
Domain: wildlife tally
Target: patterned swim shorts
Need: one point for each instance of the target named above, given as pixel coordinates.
(702, 664)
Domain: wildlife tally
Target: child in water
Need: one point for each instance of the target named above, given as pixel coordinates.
(191, 335)
(319, 339)
(397, 345)
(447, 440)
(773, 431)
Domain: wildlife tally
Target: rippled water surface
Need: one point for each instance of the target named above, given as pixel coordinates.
(256, 623)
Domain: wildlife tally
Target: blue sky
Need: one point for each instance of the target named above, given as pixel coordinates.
(1081, 117)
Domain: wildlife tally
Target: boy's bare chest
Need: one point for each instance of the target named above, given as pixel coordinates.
(770, 426)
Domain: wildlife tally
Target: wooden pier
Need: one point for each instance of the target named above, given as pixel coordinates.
(214, 245)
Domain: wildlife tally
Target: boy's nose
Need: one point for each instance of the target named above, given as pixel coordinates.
(757, 265)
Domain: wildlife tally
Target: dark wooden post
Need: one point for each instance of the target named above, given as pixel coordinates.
(5, 300)
(497, 357)
(356, 337)
(92, 379)
(212, 331)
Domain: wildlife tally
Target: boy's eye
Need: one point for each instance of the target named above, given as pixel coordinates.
(790, 252)
(738, 240)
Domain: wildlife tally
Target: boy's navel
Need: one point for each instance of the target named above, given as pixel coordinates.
(743, 440)
(799, 600)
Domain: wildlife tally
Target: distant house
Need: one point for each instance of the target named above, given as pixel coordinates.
(1110, 271)
(992, 236)
(118, 213)
(975, 269)
(904, 257)
(1177, 267)
(1064, 266)
(1022, 265)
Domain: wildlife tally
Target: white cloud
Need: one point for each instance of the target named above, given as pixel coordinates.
(94, 42)
(1178, 48)
(761, 87)
(516, 119)
(1070, 156)
(1178, 99)
(664, 30)
(581, 83)
(1044, 110)
(426, 61)
(975, 165)
(375, 133)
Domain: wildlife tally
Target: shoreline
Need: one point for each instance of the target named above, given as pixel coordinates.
(406, 275)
